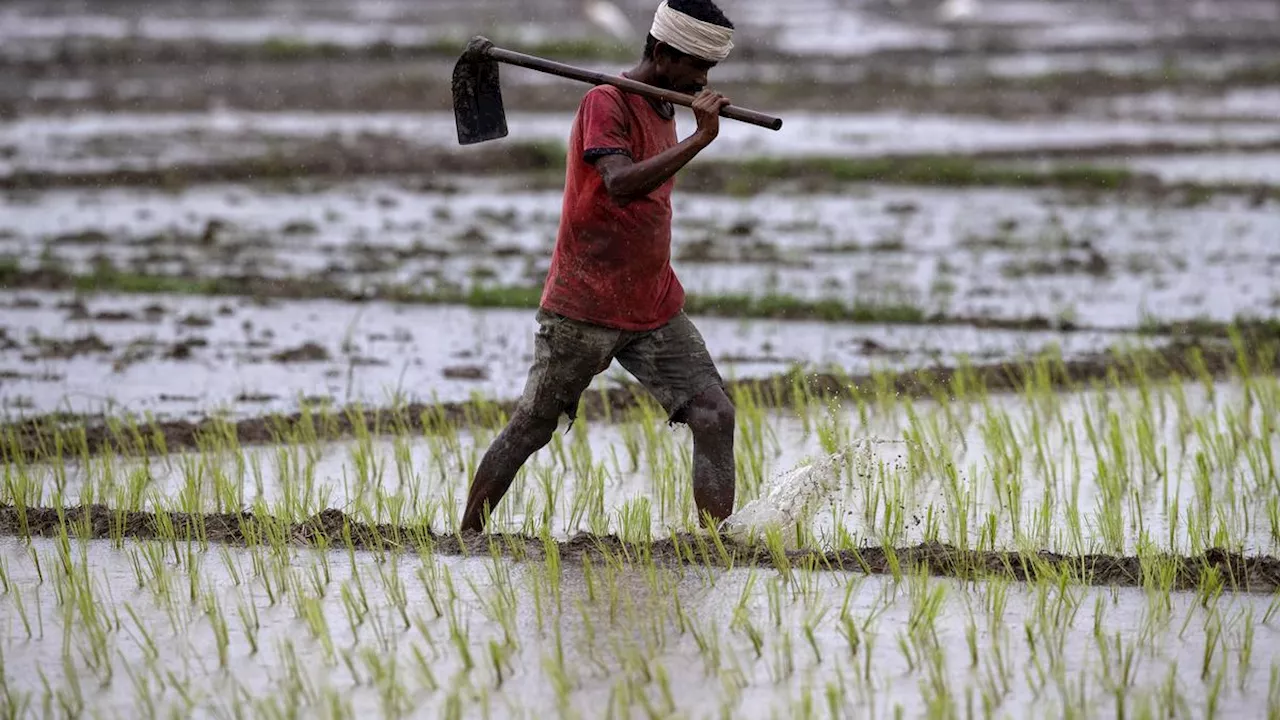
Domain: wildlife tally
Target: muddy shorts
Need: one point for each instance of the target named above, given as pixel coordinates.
(671, 362)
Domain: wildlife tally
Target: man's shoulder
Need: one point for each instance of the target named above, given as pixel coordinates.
(603, 91)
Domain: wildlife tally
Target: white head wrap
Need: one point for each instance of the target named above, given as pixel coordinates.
(690, 35)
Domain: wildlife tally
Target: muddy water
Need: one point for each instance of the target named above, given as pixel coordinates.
(614, 626)
(1002, 253)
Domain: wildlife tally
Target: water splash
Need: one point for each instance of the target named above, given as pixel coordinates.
(795, 495)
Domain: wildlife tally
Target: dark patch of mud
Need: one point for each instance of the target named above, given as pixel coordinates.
(114, 316)
(196, 321)
(334, 529)
(65, 349)
(871, 348)
(35, 377)
(465, 372)
(184, 349)
(306, 352)
(84, 237)
(49, 437)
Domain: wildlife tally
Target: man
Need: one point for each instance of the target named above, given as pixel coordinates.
(610, 291)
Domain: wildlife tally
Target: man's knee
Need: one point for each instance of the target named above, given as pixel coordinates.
(711, 412)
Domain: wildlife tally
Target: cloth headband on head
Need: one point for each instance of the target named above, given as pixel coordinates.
(690, 35)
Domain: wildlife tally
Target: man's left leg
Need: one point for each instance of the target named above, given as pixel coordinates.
(710, 417)
(672, 362)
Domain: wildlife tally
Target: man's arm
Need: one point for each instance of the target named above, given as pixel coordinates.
(626, 180)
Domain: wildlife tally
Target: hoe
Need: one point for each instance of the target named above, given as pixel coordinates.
(477, 94)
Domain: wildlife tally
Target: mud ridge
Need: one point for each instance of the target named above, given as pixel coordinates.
(525, 297)
(77, 54)
(374, 155)
(368, 155)
(410, 85)
(334, 529)
(59, 437)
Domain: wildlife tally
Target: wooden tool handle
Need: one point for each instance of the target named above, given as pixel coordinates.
(598, 78)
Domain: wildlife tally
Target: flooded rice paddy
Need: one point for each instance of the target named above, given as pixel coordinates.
(260, 317)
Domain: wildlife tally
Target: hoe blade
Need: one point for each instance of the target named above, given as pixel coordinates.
(477, 101)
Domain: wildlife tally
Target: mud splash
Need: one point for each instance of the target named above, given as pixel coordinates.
(58, 437)
(334, 529)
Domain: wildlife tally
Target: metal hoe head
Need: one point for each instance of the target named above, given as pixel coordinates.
(477, 95)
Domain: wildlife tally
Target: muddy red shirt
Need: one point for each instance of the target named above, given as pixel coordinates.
(612, 261)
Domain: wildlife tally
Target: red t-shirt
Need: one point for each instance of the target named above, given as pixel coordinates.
(612, 262)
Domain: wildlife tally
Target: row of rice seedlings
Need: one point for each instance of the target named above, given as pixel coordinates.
(1019, 505)
(775, 631)
(1077, 476)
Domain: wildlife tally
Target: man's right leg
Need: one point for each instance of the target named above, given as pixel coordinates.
(523, 436)
(567, 355)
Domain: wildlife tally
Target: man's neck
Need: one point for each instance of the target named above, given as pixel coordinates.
(647, 74)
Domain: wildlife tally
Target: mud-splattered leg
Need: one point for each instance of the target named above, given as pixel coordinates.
(523, 436)
(710, 416)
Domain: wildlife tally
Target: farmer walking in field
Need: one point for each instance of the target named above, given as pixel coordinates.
(610, 291)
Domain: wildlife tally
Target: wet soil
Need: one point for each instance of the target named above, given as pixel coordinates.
(466, 372)
(58, 436)
(55, 349)
(539, 165)
(990, 168)
(771, 307)
(156, 76)
(366, 155)
(307, 352)
(333, 529)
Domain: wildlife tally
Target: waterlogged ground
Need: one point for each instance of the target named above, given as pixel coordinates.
(1003, 253)
(90, 142)
(821, 27)
(154, 627)
(194, 297)
(186, 357)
